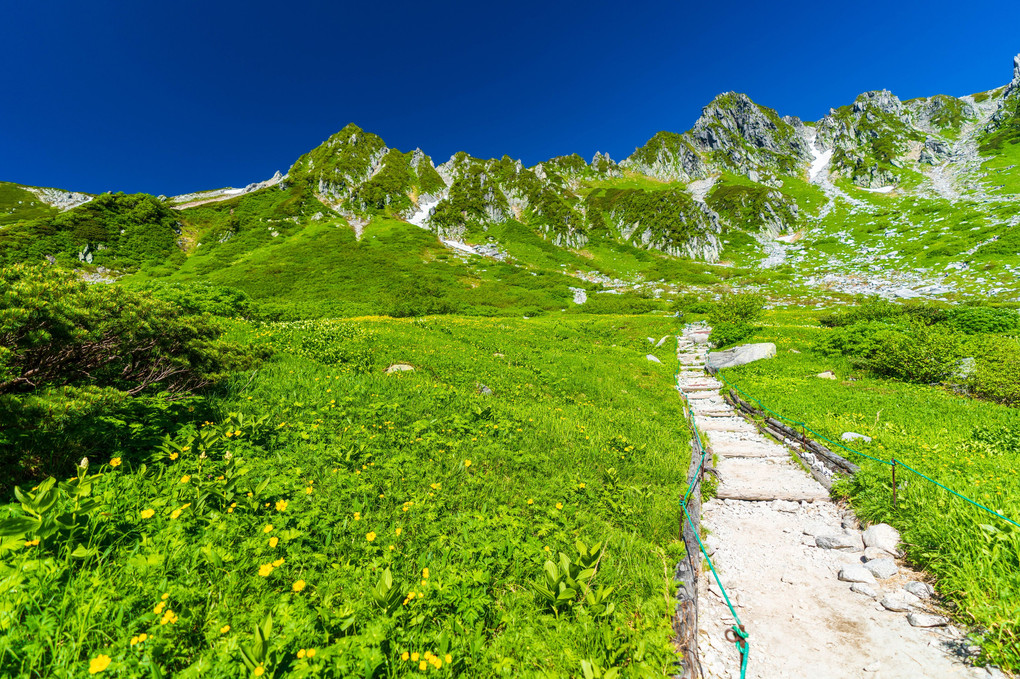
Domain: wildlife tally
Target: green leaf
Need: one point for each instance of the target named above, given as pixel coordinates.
(18, 526)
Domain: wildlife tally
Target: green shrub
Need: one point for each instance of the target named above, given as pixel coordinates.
(983, 319)
(738, 308)
(997, 369)
(725, 334)
(201, 297)
(868, 309)
(85, 366)
(926, 354)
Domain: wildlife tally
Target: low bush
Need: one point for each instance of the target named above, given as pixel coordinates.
(726, 334)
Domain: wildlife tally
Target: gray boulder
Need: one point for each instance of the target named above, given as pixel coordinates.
(852, 436)
(843, 541)
(882, 568)
(900, 602)
(742, 355)
(399, 367)
(922, 590)
(882, 536)
(926, 620)
(866, 590)
(856, 574)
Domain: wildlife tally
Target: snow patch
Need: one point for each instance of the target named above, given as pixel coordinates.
(457, 245)
(819, 160)
(880, 189)
(426, 206)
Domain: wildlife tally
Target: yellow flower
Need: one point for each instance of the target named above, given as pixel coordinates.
(174, 456)
(115, 462)
(98, 664)
(423, 665)
(299, 585)
(32, 543)
(405, 655)
(159, 607)
(281, 505)
(311, 652)
(168, 617)
(546, 548)
(265, 569)
(273, 541)
(301, 653)
(425, 573)
(467, 463)
(175, 513)
(414, 657)
(278, 563)
(308, 490)
(259, 671)
(147, 513)
(185, 478)
(559, 505)
(357, 516)
(399, 531)
(224, 629)
(448, 658)
(370, 537)
(268, 528)
(165, 596)
(530, 501)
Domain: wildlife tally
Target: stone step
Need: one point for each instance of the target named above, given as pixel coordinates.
(748, 449)
(694, 386)
(733, 424)
(709, 412)
(754, 480)
(702, 395)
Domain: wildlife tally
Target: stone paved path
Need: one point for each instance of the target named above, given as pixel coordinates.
(763, 531)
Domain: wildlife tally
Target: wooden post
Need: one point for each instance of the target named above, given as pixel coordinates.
(894, 483)
(688, 573)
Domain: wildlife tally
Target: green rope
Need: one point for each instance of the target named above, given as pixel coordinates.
(963, 497)
(741, 643)
(743, 647)
(800, 424)
(857, 452)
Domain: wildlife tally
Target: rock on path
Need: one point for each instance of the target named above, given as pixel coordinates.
(802, 619)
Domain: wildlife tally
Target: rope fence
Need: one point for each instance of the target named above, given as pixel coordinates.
(894, 463)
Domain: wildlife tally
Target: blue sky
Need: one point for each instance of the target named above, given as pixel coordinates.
(179, 96)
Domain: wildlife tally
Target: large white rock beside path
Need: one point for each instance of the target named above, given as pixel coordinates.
(742, 355)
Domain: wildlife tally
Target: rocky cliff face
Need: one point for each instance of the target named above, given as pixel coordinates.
(1010, 103)
(733, 134)
(868, 138)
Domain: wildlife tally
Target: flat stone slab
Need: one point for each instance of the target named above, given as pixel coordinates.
(743, 479)
(733, 424)
(694, 395)
(748, 449)
(701, 387)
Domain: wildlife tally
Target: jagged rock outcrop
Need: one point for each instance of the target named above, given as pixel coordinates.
(669, 157)
(934, 151)
(867, 138)
(747, 138)
(1010, 102)
(602, 164)
(357, 174)
(60, 199)
(733, 133)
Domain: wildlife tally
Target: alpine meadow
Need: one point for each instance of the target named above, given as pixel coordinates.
(381, 416)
